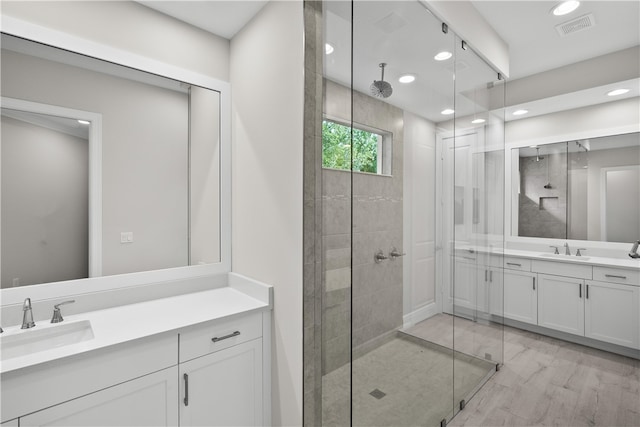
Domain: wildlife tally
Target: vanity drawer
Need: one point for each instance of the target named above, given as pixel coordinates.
(616, 275)
(209, 337)
(566, 269)
(513, 263)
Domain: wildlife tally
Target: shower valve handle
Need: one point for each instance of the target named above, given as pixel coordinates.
(393, 253)
(379, 256)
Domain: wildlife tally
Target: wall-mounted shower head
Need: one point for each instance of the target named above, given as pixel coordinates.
(380, 88)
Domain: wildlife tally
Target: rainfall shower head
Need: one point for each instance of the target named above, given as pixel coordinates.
(380, 88)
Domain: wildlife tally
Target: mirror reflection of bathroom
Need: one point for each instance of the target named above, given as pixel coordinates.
(585, 189)
(45, 198)
(152, 181)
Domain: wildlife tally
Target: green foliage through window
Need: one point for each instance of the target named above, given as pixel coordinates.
(336, 148)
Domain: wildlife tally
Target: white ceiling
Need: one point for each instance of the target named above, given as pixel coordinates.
(534, 44)
(406, 36)
(221, 17)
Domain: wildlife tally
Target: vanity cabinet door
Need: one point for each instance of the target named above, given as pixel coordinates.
(464, 292)
(146, 401)
(612, 313)
(561, 303)
(521, 297)
(223, 388)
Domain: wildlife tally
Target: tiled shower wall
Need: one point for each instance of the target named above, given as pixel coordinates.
(312, 215)
(368, 209)
(543, 211)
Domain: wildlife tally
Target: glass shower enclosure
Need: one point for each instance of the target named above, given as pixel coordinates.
(412, 217)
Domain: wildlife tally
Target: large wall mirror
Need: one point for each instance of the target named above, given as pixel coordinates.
(587, 189)
(105, 169)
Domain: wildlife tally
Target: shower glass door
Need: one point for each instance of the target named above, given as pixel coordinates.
(401, 374)
(412, 207)
(474, 159)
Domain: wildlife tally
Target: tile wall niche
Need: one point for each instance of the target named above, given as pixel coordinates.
(543, 211)
(361, 213)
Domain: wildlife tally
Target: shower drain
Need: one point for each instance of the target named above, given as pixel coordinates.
(378, 394)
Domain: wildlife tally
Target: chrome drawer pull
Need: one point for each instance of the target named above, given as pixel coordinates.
(514, 263)
(615, 276)
(234, 334)
(186, 389)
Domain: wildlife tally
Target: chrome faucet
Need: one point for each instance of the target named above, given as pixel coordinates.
(27, 316)
(57, 315)
(566, 248)
(633, 253)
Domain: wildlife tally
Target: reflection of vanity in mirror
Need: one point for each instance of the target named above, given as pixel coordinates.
(141, 189)
(586, 189)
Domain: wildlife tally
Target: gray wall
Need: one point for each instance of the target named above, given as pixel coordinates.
(377, 224)
(144, 156)
(44, 204)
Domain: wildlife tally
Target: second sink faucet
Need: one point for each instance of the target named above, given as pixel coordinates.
(566, 248)
(27, 315)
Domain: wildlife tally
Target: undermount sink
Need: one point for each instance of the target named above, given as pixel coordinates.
(567, 257)
(27, 341)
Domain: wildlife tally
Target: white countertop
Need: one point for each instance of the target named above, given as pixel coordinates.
(130, 322)
(587, 259)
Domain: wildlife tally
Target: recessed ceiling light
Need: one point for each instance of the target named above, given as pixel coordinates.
(477, 121)
(443, 56)
(447, 111)
(565, 7)
(84, 122)
(328, 49)
(407, 78)
(617, 92)
(520, 112)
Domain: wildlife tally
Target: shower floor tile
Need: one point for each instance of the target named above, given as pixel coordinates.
(417, 379)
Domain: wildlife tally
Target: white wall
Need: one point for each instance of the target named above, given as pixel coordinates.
(131, 27)
(592, 121)
(266, 68)
(45, 202)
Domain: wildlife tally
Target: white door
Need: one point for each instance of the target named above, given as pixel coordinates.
(464, 291)
(561, 303)
(455, 216)
(520, 296)
(223, 388)
(612, 313)
(146, 401)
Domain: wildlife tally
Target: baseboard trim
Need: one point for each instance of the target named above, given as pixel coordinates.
(420, 314)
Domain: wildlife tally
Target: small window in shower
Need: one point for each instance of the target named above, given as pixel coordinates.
(371, 148)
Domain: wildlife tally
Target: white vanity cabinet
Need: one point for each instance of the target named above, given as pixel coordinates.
(204, 367)
(612, 313)
(145, 401)
(561, 303)
(223, 388)
(221, 373)
(521, 296)
(465, 292)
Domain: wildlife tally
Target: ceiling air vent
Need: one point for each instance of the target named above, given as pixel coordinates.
(575, 25)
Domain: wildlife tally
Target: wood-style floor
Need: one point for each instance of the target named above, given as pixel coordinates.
(549, 382)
